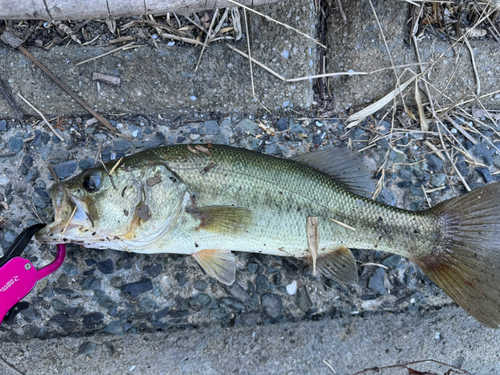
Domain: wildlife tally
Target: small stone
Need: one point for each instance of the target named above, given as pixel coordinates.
(462, 167)
(392, 261)
(262, 283)
(317, 140)
(282, 124)
(482, 152)
(70, 269)
(272, 305)
(87, 347)
(157, 140)
(199, 301)
(115, 328)
(416, 189)
(154, 270)
(211, 127)
(247, 319)
(201, 285)
(64, 170)
(194, 137)
(10, 236)
(122, 145)
(434, 162)
(386, 196)
(303, 300)
(90, 283)
(252, 268)
(93, 320)
(3, 125)
(58, 305)
(272, 149)
(16, 144)
(376, 282)
(59, 155)
(237, 291)
(438, 179)
(107, 302)
(233, 303)
(247, 125)
(484, 173)
(405, 174)
(221, 139)
(291, 288)
(137, 288)
(106, 267)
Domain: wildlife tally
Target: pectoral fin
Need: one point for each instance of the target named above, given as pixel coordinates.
(219, 264)
(338, 265)
(222, 219)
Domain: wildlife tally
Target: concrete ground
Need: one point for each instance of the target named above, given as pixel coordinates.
(166, 84)
(347, 344)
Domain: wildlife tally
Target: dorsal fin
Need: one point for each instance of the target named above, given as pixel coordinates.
(348, 168)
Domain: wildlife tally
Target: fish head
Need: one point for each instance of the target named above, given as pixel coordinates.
(128, 209)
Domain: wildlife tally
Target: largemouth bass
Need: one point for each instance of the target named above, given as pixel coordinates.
(207, 201)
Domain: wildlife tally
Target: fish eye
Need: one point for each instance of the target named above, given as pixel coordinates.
(92, 182)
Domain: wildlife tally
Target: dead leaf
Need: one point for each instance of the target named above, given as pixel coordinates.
(152, 181)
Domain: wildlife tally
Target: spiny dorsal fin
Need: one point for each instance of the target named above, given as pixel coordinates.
(222, 219)
(338, 265)
(349, 169)
(219, 264)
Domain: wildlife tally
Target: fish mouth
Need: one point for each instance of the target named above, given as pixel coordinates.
(70, 213)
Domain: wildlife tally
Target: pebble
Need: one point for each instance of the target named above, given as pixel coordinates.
(252, 268)
(482, 152)
(115, 328)
(462, 167)
(262, 283)
(211, 127)
(291, 288)
(199, 301)
(438, 179)
(392, 261)
(3, 125)
(154, 270)
(233, 303)
(386, 196)
(434, 162)
(85, 164)
(121, 145)
(272, 149)
(271, 305)
(10, 236)
(484, 173)
(157, 140)
(201, 285)
(376, 282)
(247, 125)
(137, 288)
(87, 347)
(64, 170)
(249, 319)
(93, 320)
(106, 267)
(303, 301)
(237, 291)
(281, 124)
(15, 144)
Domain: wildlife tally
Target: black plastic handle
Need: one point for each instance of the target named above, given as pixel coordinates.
(20, 243)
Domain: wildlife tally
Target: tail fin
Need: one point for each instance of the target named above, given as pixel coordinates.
(467, 266)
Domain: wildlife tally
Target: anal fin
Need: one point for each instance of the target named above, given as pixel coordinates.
(220, 264)
(222, 219)
(338, 265)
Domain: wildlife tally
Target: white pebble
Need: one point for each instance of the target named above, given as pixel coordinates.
(292, 288)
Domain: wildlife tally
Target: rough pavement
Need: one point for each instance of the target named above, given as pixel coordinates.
(348, 344)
